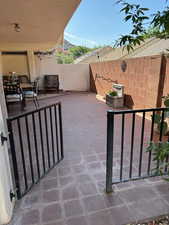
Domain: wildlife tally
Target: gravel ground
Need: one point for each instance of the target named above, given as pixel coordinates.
(163, 220)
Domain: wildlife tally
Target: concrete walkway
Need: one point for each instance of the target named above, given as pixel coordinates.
(73, 192)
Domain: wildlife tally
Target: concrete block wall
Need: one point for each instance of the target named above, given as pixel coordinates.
(166, 78)
(141, 79)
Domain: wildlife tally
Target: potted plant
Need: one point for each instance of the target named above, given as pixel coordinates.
(113, 100)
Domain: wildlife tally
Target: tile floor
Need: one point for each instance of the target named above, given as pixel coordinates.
(73, 193)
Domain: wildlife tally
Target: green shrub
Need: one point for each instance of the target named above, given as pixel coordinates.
(160, 150)
(112, 93)
(158, 117)
(160, 153)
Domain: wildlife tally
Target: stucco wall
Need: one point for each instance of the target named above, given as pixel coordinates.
(71, 77)
(15, 63)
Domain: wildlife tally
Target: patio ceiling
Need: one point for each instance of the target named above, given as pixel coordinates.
(42, 23)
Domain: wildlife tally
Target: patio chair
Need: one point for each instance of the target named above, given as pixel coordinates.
(13, 93)
(5, 78)
(33, 93)
(51, 83)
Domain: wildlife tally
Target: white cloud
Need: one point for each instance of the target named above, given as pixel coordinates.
(80, 40)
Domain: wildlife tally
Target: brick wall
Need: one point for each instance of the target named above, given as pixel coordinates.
(142, 80)
(166, 77)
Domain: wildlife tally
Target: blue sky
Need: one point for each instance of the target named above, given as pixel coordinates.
(99, 22)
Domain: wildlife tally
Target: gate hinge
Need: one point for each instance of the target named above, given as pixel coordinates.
(3, 138)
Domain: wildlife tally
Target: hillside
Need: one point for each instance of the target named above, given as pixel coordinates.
(67, 45)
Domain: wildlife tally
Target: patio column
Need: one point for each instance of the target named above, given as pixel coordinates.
(6, 185)
(2, 97)
(32, 65)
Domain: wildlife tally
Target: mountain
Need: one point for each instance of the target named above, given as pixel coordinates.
(67, 45)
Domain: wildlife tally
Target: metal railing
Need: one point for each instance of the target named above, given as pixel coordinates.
(129, 133)
(36, 143)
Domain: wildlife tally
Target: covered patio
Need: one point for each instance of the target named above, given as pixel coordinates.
(74, 191)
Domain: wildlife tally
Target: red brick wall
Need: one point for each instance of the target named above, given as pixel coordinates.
(141, 79)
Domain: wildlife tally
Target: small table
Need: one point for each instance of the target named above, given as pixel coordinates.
(26, 85)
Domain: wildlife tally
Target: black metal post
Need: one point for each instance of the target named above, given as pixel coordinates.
(151, 139)
(132, 145)
(61, 129)
(14, 159)
(122, 146)
(109, 162)
(51, 126)
(57, 138)
(47, 136)
(36, 145)
(141, 145)
(42, 144)
(22, 153)
(29, 150)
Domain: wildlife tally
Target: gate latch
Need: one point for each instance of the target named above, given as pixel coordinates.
(3, 138)
(12, 195)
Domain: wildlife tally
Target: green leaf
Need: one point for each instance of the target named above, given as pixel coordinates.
(144, 9)
(128, 17)
(143, 17)
(157, 118)
(166, 179)
(150, 147)
(164, 126)
(166, 102)
(166, 114)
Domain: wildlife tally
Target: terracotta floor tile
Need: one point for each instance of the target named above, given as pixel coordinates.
(51, 212)
(94, 203)
(135, 194)
(87, 189)
(51, 196)
(70, 192)
(122, 215)
(101, 218)
(145, 209)
(73, 208)
(31, 217)
(74, 191)
(77, 221)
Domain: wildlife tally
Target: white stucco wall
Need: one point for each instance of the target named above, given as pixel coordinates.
(15, 63)
(74, 77)
(71, 76)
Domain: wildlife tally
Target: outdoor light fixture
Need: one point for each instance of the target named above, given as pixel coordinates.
(123, 66)
(17, 27)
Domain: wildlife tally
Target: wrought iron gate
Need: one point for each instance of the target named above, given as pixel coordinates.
(36, 143)
(129, 133)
